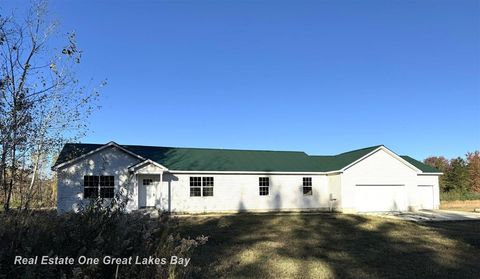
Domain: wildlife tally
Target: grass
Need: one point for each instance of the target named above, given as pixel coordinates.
(281, 245)
(332, 246)
(468, 205)
(459, 196)
(95, 232)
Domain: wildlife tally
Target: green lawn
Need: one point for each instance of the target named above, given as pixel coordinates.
(332, 246)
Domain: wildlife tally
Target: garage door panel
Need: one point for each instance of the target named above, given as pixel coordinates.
(425, 196)
(380, 197)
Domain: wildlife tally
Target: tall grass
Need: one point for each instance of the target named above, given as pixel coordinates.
(459, 196)
(96, 231)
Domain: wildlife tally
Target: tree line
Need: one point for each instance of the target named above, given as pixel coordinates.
(42, 104)
(460, 175)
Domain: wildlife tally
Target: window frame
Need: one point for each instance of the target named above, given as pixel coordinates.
(264, 186)
(307, 186)
(149, 180)
(104, 186)
(195, 186)
(90, 182)
(207, 184)
(201, 186)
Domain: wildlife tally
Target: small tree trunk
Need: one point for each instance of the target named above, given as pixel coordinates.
(3, 172)
(29, 194)
(6, 206)
(13, 169)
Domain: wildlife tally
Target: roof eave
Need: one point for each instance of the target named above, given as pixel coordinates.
(147, 161)
(109, 144)
(384, 148)
(431, 173)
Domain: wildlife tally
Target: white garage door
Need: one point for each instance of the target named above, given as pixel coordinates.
(391, 197)
(425, 196)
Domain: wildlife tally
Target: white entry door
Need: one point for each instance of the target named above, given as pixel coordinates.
(147, 192)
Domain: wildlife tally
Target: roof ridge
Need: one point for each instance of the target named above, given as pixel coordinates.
(230, 149)
(180, 147)
(322, 155)
(361, 149)
(211, 148)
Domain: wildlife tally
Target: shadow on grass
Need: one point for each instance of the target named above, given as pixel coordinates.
(467, 232)
(330, 246)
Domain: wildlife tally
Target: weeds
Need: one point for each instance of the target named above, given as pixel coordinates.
(99, 229)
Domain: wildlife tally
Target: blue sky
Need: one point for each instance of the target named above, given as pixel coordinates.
(319, 76)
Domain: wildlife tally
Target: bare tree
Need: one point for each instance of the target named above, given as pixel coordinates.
(42, 103)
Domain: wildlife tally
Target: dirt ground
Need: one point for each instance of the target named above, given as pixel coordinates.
(460, 205)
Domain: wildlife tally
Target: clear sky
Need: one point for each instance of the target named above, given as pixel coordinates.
(318, 76)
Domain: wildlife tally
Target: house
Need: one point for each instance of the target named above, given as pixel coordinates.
(221, 180)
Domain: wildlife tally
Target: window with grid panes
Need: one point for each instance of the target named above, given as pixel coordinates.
(307, 186)
(98, 186)
(195, 186)
(90, 186)
(264, 186)
(207, 184)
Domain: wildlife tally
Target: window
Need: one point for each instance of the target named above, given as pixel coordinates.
(307, 186)
(264, 183)
(90, 186)
(195, 186)
(147, 181)
(98, 186)
(207, 186)
(107, 186)
(201, 186)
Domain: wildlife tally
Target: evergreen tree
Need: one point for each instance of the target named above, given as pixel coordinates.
(456, 177)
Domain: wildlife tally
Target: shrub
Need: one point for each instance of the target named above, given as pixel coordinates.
(95, 231)
(459, 196)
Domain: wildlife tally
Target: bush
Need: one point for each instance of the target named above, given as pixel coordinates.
(95, 231)
(459, 196)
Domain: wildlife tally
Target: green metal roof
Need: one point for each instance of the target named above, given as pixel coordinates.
(423, 167)
(204, 159)
(338, 162)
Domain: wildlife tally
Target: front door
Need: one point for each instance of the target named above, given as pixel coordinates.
(147, 192)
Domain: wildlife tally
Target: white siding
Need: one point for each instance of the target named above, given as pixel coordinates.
(109, 161)
(430, 180)
(335, 189)
(237, 192)
(240, 192)
(383, 168)
(149, 168)
(380, 168)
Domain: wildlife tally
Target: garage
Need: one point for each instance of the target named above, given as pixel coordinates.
(380, 197)
(425, 196)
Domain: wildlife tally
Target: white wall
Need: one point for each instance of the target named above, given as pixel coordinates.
(240, 192)
(335, 188)
(424, 179)
(377, 169)
(237, 192)
(109, 161)
(382, 168)
(232, 192)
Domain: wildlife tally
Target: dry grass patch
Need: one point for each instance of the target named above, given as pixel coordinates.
(332, 246)
(460, 205)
